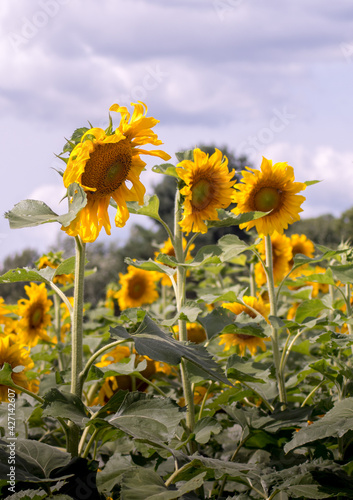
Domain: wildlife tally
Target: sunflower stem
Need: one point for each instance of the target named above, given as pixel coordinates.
(77, 340)
(274, 329)
(180, 297)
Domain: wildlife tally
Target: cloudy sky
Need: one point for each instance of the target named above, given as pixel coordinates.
(269, 79)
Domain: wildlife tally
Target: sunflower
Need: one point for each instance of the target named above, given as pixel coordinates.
(35, 317)
(199, 394)
(123, 382)
(168, 249)
(103, 162)
(270, 190)
(5, 320)
(239, 339)
(137, 288)
(281, 257)
(53, 260)
(195, 332)
(15, 354)
(301, 244)
(208, 186)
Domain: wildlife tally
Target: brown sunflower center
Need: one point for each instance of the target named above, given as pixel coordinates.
(267, 199)
(136, 288)
(201, 194)
(108, 167)
(36, 317)
(242, 336)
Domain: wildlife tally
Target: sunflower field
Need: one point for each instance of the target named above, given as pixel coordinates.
(223, 373)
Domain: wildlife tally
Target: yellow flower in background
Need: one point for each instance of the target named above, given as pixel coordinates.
(301, 244)
(318, 287)
(281, 257)
(35, 316)
(53, 261)
(271, 189)
(138, 287)
(15, 354)
(241, 340)
(114, 356)
(168, 249)
(196, 333)
(209, 186)
(104, 163)
(254, 302)
(8, 323)
(126, 382)
(199, 394)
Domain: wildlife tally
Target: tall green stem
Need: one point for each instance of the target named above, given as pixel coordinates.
(77, 338)
(180, 298)
(274, 329)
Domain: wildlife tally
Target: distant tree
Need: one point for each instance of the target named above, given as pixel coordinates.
(326, 229)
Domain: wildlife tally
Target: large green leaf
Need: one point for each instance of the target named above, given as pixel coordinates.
(335, 423)
(112, 472)
(151, 341)
(204, 428)
(145, 484)
(227, 219)
(34, 460)
(29, 213)
(215, 321)
(246, 371)
(166, 169)
(26, 274)
(146, 417)
(151, 265)
(309, 309)
(65, 405)
(343, 273)
(149, 208)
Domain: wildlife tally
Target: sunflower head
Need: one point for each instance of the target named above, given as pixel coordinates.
(35, 316)
(107, 165)
(53, 260)
(138, 287)
(282, 258)
(195, 332)
(168, 249)
(271, 189)
(208, 187)
(15, 354)
(252, 306)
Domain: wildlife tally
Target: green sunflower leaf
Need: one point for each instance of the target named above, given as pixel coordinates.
(336, 423)
(65, 405)
(30, 213)
(343, 273)
(227, 219)
(151, 341)
(150, 265)
(5, 375)
(205, 427)
(166, 169)
(309, 309)
(185, 155)
(26, 274)
(246, 371)
(146, 484)
(149, 208)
